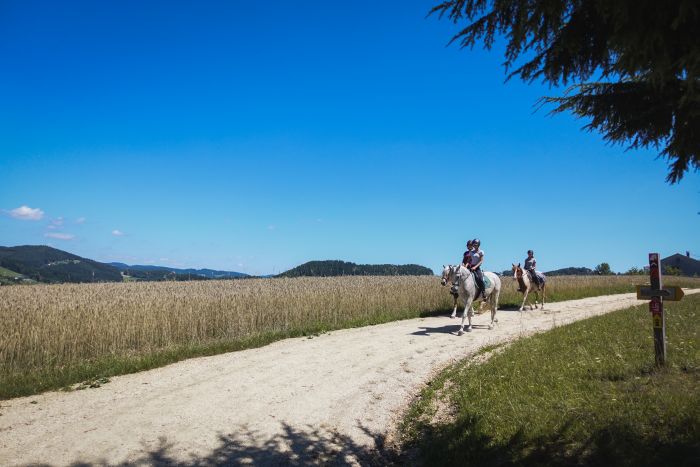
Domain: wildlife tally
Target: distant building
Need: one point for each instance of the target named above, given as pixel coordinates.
(687, 265)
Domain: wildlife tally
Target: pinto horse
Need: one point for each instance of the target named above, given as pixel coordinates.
(526, 285)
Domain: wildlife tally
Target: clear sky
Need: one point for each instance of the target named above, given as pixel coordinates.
(255, 136)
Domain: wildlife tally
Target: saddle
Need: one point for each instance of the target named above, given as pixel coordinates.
(540, 277)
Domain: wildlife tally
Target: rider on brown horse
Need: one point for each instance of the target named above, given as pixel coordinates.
(530, 264)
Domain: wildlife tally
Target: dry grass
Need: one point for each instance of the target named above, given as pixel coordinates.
(53, 335)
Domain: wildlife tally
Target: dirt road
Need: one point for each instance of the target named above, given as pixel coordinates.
(329, 398)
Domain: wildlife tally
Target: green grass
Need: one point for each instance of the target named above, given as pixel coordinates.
(583, 394)
(7, 273)
(7, 277)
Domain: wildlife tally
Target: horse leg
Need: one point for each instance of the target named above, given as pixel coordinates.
(522, 305)
(543, 295)
(494, 305)
(454, 311)
(467, 314)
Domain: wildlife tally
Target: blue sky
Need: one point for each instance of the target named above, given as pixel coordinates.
(255, 136)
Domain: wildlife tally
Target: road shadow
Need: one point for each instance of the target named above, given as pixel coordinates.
(427, 330)
(293, 447)
(452, 329)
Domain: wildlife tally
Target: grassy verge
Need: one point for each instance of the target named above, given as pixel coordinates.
(583, 394)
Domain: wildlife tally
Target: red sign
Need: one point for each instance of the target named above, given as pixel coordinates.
(654, 264)
(655, 305)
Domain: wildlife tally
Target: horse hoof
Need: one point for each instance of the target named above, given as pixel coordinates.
(460, 332)
(495, 320)
(490, 326)
(469, 329)
(520, 309)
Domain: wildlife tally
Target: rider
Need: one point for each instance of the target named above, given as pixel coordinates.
(530, 264)
(477, 258)
(466, 258)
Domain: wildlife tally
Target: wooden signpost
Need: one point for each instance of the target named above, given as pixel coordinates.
(657, 293)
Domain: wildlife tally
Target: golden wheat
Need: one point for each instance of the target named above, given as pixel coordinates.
(56, 326)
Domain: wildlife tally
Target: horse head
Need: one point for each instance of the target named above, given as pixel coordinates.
(517, 271)
(448, 274)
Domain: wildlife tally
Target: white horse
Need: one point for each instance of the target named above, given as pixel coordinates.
(467, 290)
(526, 285)
(449, 275)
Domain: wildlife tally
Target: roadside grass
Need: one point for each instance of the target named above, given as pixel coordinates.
(54, 336)
(583, 394)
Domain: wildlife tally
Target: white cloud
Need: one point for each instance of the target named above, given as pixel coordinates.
(117, 233)
(26, 213)
(59, 235)
(80, 220)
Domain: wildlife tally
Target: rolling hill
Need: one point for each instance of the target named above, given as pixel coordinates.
(152, 272)
(331, 268)
(46, 264)
(571, 272)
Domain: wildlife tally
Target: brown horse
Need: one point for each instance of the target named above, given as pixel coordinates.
(526, 285)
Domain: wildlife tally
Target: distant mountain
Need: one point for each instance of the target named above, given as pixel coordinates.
(46, 264)
(152, 272)
(687, 265)
(571, 272)
(342, 268)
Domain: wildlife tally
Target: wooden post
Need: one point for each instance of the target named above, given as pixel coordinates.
(656, 307)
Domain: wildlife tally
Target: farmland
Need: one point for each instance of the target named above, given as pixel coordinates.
(56, 335)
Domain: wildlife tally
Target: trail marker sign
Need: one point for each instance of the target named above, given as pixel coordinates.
(672, 294)
(657, 293)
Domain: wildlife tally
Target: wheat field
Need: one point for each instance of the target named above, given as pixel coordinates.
(55, 334)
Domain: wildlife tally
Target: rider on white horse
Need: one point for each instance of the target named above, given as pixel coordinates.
(466, 262)
(476, 260)
(467, 290)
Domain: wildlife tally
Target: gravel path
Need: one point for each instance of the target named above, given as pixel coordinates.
(329, 398)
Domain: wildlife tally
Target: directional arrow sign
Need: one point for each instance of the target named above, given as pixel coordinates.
(671, 293)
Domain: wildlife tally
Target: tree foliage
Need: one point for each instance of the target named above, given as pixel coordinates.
(643, 57)
(603, 269)
(331, 268)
